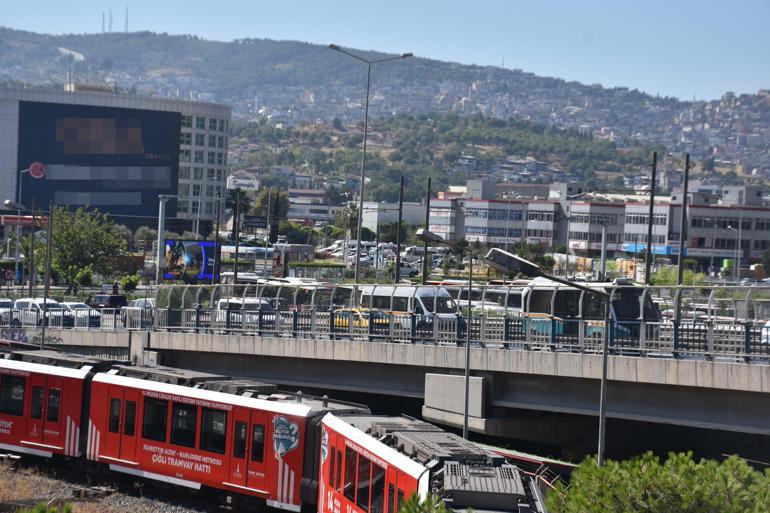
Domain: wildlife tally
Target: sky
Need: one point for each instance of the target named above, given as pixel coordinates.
(683, 48)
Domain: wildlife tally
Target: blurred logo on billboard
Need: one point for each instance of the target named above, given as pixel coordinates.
(190, 261)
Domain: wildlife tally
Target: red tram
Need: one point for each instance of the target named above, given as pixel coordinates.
(242, 438)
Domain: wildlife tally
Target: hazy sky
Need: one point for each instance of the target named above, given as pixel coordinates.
(681, 48)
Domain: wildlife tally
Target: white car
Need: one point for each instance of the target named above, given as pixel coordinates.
(80, 315)
(29, 312)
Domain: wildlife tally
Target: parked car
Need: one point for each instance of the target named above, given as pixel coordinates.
(101, 301)
(6, 306)
(29, 312)
(244, 312)
(138, 313)
(80, 315)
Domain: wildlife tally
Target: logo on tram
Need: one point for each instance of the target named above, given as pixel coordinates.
(285, 435)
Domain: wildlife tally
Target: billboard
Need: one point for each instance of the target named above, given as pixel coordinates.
(190, 260)
(117, 160)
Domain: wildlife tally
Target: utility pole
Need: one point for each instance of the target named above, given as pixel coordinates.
(48, 237)
(398, 229)
(603, 258)
(648, 259)
(217, 245)
(267, 235)
(161, 249)
(236, 234)
(427, 227)
(683, 223)
(31, 254)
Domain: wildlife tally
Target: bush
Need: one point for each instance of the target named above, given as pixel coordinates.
(680, 484)
(85, 276)
(42, 508)
(129, 282)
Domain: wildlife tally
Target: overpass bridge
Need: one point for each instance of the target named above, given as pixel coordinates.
(711, 373)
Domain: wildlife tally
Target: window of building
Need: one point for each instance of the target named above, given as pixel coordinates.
(200, 140)
(257, 442)
(209, 208)
(184, 190)
(211, 174)
(210, 191)
(186, 121)
(194, 207)
(213, 141)
(213, 426)
(114, 422)
(130, 420)
(200, 123)
(184, 155)
(351, 457)
(212, 157)
(220, 158)
(154, 419)
(184, 419)
(185, 138)
(212, 124)
(198, 157)
(182, 207)
(37, 403)
(221, 125)
(12, 395)
(198, 173)
(221, 141)
(184, 172)
(196, 189)
(219, 174)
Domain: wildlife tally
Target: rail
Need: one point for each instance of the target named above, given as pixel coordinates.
(686, 322)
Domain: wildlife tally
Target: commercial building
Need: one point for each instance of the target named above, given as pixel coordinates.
(114, 152)
(379, 213)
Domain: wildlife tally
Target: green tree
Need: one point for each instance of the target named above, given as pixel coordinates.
(129, 282)
(246, 199)
(279, 204)
(680, 484)
(668, 276)
(82, 238)
(431, 504)
(144, 236)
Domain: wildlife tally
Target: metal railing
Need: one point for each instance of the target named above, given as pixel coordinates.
(686, 322)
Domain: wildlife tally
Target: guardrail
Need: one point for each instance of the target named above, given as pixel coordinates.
(711, 323)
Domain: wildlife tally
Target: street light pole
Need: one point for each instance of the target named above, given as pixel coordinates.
(509, 263)
(47, 284)
(18, 228)
(468, 345)
(363, 155)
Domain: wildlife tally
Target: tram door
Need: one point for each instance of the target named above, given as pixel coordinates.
(247, 465)
(121, 426)
(128, 440)
(45, 416)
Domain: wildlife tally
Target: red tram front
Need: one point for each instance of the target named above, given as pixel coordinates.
(41, 408)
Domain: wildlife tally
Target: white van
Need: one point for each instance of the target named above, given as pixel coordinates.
(428, 302)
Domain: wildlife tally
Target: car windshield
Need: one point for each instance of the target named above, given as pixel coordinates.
(78, 306)
(52, 306)
(253, 307)
(6, 304)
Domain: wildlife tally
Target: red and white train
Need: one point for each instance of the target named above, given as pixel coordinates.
(243, 439)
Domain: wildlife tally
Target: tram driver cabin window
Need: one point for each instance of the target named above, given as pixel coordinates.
(12, 395)
(184, 419)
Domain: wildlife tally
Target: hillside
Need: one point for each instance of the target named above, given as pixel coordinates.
(292, 82)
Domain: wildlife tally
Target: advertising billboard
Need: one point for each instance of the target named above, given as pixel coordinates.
(117, 160)
(190, 260)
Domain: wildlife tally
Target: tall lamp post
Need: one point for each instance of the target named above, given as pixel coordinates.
(366, 132)
(431, 238)
(509, 263)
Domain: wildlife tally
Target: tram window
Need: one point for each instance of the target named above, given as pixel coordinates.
(154, 419)
(400, 499)
(239, 440)
(54, 395)
(184, 424)
(363, 483)
(213, 427)
(12, 395)
(37, 403)
(331, 468)
(400, 304)
(257, 442)
(338, 476)
(391, 498)
(130, 418)
(114, 426)
(350, 473)
(378, 489)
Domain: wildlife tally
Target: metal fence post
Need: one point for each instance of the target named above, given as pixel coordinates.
(747, 340)
(331, 324)
(197, 316)
(294, 322)
(675, 325)
(413, 328)
(458, 329)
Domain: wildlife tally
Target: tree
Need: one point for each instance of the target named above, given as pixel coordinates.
(668, 276)
(232, 199)
(431, 504)
(82, 238)
(680, 484)
(279, 208)
(145, 236)
(348, 217)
